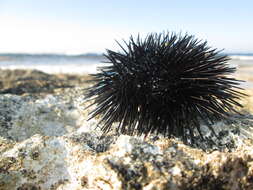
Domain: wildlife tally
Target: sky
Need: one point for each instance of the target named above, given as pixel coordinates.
(82, 26)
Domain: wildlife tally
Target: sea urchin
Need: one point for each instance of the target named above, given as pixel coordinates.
(166, 84)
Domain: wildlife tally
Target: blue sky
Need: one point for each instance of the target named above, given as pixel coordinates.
(79, 26)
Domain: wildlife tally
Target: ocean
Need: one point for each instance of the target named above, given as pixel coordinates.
(53, 63)
(80, 64)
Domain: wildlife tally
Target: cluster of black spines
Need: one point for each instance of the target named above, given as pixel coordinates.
(164, 84)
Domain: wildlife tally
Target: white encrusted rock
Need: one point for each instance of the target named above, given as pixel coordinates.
(47, 143)
(23, 117)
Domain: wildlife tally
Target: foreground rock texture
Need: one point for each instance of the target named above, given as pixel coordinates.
(46, 142)
(83, 161)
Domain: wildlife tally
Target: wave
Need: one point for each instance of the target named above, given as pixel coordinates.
(65, 68)
(242, 57)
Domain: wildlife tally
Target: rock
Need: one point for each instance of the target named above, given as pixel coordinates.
(32, 81)
(72, 162)
(46, 142)
(22, 117)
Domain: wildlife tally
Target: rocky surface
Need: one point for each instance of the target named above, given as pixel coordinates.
(85, 161)
(32, 81)
(46, 142)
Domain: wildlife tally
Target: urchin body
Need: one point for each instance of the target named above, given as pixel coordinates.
(165, 84)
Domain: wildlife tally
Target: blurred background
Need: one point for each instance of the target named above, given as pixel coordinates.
(70, 36)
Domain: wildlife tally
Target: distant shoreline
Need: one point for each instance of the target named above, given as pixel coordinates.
(84, 63)
(52, 55)
(91, 54)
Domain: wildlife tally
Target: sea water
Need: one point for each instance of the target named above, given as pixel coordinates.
(53, 63)
(80, 64)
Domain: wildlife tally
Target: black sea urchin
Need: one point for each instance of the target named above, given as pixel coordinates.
(166, 84)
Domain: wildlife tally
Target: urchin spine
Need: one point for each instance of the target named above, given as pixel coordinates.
(166, 84)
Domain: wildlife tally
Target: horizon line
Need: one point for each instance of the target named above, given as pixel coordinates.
(94, 53)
